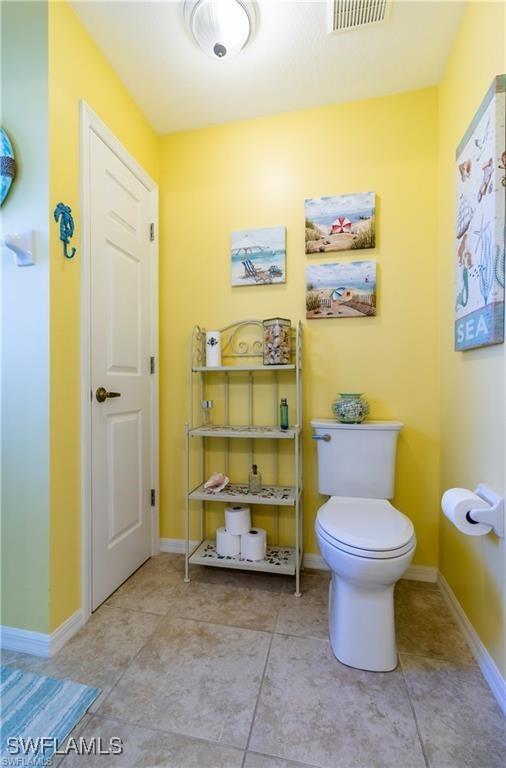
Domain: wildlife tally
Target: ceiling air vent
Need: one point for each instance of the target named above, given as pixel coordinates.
(351, 14)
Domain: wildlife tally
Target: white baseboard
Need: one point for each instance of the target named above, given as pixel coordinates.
(24, 641)
(39, 643)
(65, 631)
(316, 562)
(489, 668)
(176, 546)
(311, 560)
(421, 573)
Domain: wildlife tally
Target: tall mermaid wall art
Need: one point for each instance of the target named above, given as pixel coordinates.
(480, 226)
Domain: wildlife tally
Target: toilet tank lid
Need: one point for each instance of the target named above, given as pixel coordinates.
(365, 425)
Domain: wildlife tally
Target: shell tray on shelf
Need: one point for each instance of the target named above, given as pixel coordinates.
(277, 495)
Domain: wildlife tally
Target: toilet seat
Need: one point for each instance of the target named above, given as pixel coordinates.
(369, 528)
(370, 554)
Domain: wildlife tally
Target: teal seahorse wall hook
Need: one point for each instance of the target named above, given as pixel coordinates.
(64, 214)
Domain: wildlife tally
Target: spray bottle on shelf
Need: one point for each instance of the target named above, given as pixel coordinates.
(283, 414)
(255, 480)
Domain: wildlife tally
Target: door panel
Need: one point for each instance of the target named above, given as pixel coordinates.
(124, 510)
(126, 204)
(120, 357)
(124, 280)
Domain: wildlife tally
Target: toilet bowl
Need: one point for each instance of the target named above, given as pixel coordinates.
(367, 545)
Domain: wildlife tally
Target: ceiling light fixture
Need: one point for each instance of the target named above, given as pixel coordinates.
(220, 27)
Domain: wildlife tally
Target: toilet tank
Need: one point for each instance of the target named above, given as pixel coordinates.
(358, 459)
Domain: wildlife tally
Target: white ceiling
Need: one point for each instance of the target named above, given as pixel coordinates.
(291, 63)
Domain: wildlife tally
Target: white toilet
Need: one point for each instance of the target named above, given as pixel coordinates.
(364, 540)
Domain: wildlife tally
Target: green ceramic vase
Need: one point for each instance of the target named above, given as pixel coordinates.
(350, 408)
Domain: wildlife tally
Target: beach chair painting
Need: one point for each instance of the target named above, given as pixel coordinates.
(258, 256)
(258, 275)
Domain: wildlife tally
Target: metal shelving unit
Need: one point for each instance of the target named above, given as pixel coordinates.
(242, 352)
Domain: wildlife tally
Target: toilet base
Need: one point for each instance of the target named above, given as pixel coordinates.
(362, 626)
(361, 605)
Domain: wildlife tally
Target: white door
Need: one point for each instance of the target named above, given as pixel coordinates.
(120, 210)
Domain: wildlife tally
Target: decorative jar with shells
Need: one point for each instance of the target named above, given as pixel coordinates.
(277, 338)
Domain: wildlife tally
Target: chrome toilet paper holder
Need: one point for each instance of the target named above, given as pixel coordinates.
(494, 515)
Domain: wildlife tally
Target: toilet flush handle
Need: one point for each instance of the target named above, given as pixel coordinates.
(326, 438)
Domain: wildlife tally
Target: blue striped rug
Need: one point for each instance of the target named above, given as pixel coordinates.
(33, 708)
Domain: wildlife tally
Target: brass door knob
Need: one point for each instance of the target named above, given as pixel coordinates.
(102, 394)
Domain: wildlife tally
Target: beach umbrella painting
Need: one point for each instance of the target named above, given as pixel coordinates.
(248, 247)
(341, 225)
(258, 256)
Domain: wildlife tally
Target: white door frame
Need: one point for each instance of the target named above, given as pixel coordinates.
(91, 123)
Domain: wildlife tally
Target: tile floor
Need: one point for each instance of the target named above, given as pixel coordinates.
(233, 671)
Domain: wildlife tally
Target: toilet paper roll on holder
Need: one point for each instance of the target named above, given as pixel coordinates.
(494, 515)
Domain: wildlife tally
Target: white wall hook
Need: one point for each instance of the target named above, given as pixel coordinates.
(22, 246)
(493, 516)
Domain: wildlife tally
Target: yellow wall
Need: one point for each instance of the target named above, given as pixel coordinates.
(257, 173)
(473, 382)
(77, 70)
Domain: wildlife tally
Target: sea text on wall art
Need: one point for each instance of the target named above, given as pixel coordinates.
(480, 225)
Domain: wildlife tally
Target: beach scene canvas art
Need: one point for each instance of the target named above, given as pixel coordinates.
(259, 256)
(340, 222)
(344, 289)
(480, 224)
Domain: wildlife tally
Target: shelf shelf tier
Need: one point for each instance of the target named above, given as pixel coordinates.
(265, 433)
(278, 559)
(274, 495)
(239, 368)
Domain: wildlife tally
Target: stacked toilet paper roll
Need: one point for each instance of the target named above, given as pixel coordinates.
(254, 544)
(227, 545)
(457, 503)
(237, 520)
(237, 537)
(228, 538)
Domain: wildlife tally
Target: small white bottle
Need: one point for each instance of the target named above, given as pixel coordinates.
(207, 413)
(255, 480)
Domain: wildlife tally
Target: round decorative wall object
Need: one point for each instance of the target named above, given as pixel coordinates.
(7, 165)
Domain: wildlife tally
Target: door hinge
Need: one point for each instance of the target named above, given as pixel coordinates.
(153, 497)
(152, 364)
(151, 232)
